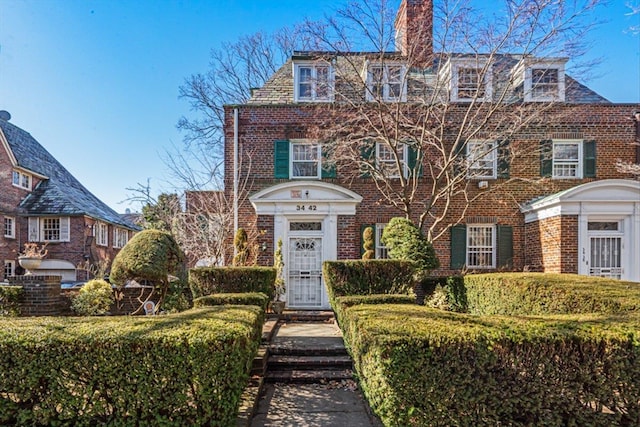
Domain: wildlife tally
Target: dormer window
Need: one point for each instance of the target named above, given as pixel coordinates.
(313, 82)
(385, 82)
(469, 79)
(21, 180)
(541, 80)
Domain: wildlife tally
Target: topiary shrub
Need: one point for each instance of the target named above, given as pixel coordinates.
(406, 241)
(151, 255)
(241, 243)
(94, 299)
(368, 243)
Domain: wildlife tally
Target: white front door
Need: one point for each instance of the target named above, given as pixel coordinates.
(605, 241)
(305, 272)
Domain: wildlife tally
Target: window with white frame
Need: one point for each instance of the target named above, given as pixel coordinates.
(470, 80)
(102, 234)
(9, 227)
(567, 159)
(386, 82)
(481, 246)
(382, 252)
(544, 81)
(313, 82)
(21, 180)
(9, 268)
(388, 159)
(49, 229)
(482, 159)
(305, 160)
(120, 237)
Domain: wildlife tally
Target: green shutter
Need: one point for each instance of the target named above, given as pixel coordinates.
(328, 168)
(546, 158)
(503, 159)
(505, 246)
(367, 153)
(362, 228)
(281, 159)
(589, 159)
(458, 246)
(414, 160)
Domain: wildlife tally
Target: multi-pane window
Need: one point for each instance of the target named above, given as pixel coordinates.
(382, 252)
(51, 229)
(312, 82)
(9, 268)
(21, 180)
(305, 160)
(385, 82)
(120, 237)
(470, 83)
(482, 159)
(102, 234)
(481, 243)
(567, 157)
(9, 227)
(388, 159)
(545, 83)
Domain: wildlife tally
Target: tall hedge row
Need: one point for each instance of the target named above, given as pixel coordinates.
(214, 280)
(425, 367)
(368, 277)
(181, 369)
(542, 293)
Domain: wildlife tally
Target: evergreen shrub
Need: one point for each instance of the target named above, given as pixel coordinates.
(251, 298)
(93, 299)
(214, 280)
(368, 277)
(10, 300)
(188, 368)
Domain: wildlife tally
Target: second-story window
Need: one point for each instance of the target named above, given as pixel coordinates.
(388, 160)
(305, 160)
(102, 234)
(567, 156)
(386, 82)
(120, 237)
(312, 82)
(22, 180)
(482, 159)
(469, 79)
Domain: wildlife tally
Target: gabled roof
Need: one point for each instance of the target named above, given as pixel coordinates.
(60, 193)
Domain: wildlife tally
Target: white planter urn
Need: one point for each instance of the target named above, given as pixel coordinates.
(29, 263)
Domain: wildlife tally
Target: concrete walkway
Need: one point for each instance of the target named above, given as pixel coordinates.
(322, 403)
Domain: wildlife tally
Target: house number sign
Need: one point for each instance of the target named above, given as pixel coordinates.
(306, 207)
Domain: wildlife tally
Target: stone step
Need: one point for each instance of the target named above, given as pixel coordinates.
(259, 366)
(309, 376)
(280, 363)
(307, 316)
(307, 351)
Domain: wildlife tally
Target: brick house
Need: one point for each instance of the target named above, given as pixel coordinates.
(42, 202)
(555, 202)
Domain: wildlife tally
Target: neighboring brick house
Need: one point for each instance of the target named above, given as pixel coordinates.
(561, 206)
(40, 201)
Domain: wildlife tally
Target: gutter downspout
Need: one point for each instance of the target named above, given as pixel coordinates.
(235, 173)
(636, 118)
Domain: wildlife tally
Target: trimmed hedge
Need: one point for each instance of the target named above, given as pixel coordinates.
(188, 368)
(368, 277)
(541, 293)
(10, 300)
(421, 366)
(215, 280)
(252, 298)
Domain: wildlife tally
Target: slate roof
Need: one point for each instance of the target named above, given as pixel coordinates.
(61, 193)
(279, 89)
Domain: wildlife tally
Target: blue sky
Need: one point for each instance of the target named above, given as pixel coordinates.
(96, 81)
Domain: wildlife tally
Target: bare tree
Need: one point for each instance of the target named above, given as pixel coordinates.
(419, 136)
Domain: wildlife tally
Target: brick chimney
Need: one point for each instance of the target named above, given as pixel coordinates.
(414, 31)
